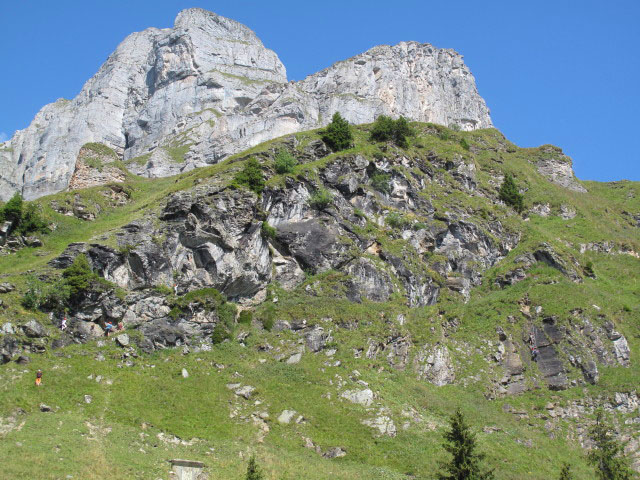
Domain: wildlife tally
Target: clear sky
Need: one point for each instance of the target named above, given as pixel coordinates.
(563, 72)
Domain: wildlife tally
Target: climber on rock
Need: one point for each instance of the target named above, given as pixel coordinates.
(534, 353)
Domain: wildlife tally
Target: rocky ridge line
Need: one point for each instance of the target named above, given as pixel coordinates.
(170, 100)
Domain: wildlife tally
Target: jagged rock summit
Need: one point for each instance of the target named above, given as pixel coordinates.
(170, 100)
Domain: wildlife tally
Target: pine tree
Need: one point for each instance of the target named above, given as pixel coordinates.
(338, 133)
(565, 472)
(253, 472)
(607, 455)
(460, 442)
(510, 195)
(385, 129)
(401, 131)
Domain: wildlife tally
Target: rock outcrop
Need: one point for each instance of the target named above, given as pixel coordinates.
(169, 100)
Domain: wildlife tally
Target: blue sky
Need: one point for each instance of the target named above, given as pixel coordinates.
(562, 72)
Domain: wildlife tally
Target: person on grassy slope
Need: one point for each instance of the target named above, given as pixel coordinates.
(108, 327)
(38, 377)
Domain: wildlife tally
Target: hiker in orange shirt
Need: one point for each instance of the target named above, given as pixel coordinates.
(38, 378)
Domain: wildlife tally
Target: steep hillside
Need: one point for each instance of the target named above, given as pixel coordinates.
(329, 319)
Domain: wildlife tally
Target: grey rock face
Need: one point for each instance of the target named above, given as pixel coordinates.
(549, 360)
(9, 347)
(361, 397)
(556, 166)
(434, 365)
(179, 98)
(34, 329)
(383, 423)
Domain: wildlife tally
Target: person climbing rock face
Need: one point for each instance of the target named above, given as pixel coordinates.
(534, 353)
(38, 378)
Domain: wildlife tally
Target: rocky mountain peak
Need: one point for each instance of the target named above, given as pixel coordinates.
(192, 19)
(170, 100)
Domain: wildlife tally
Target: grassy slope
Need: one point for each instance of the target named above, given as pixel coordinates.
(115, 436)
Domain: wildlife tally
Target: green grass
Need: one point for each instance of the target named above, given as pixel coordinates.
(118, 431)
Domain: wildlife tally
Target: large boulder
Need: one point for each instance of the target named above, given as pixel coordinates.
(34, 329)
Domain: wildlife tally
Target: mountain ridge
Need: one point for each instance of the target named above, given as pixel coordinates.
(169, 100)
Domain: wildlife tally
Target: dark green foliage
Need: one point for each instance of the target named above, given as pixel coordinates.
(39, 294)
(588, 269)
(253, 472)
(284, 162)
(250, 177)
(382, 130)
(220, 334)
(12, 210)
(245, 317)
(31, 221)
(401, 132)
(510, 195)
(78, 275)
(455, 127)
(77, 279)
(380, 181)
(565, 472)
(386, 129)
(321, 199)
(460, 442)
(607, 456)
(227, 314)
(338, 134)
(268, 231)
(268, 317)
(464, 144)
(25, 217)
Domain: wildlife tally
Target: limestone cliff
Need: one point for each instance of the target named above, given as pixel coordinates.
(169, 100)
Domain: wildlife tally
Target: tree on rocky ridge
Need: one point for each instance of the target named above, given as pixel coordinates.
(338, 133)
(386, 129)
(460, 442)
(607, 455)
(510, 195)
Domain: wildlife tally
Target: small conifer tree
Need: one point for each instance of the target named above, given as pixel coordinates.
(338, 133)
(607, 455)
(253, 471)
(386, 129)
(510, 195)
(460, 442)
(401, 131)
(383, 129)
(565, 472)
